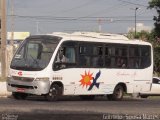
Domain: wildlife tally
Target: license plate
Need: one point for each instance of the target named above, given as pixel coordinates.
(20, 89)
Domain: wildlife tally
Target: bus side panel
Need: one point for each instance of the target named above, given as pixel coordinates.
(107, 81)
(78, 81)
(122, 76)
(143, 80)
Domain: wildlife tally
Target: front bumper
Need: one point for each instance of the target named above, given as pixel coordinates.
(34, 87)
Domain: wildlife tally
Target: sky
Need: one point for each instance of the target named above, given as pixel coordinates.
(47, 16)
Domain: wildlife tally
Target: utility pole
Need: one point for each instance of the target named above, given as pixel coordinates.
(135, 21)
(12, 26)
(3, 39)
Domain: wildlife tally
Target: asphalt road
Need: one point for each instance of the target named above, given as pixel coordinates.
(69, 108)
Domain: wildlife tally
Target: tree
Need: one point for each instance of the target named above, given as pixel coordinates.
(155, 4)
(155, 34)
(157, 59)
(143, 35)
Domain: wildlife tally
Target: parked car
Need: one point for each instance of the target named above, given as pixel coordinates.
(155, 89)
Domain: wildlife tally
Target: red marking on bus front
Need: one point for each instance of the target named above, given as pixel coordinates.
(20, 73)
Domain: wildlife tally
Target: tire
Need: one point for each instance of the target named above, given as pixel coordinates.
(19, 96)
(54, 93)
(110, 97)
(117, 94)
(87, 97)
(143, 96)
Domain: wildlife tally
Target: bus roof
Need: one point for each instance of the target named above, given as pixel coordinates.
(93, 35)
(102, 37)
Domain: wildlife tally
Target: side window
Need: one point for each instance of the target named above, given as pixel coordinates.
(134, 57)
(108, 56)
(145, 56)
(90, 55)
(116, 56)
(97, 56)
(139, 57)
(84, 55)
(121, 57)
(70, 54)
(66, 56)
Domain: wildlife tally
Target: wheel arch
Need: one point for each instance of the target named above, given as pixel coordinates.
(60, 84)
(123, 85)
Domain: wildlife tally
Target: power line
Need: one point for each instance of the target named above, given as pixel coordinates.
(110, 9)
(92, 20)
(77, 7)
(133, 3)
(74, 18)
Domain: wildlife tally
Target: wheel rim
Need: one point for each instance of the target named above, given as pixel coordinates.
(119, 93)
(53, 92)
(52, 95)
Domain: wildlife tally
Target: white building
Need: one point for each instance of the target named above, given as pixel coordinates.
(140, 27)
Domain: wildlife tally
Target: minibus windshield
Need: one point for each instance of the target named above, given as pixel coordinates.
(35, 53)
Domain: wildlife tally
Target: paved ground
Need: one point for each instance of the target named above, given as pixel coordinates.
(3, 90)
(69, 108)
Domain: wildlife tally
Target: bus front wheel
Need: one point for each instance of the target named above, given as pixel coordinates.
(117, 94)
(54, 93)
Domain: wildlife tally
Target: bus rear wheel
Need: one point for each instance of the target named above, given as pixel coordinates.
(143, 96)
(117, 94)
(54, 93)
(19, 96)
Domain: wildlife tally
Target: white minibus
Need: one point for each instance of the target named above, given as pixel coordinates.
(84, 64)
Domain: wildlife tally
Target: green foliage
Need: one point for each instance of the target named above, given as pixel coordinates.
(130, 35)
(154, 37)
(155, 4)
(157, 59)
(143, 35)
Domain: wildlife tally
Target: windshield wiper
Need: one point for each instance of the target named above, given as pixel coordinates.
(35, 61)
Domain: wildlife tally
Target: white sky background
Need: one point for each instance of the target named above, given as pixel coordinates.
(47, 16)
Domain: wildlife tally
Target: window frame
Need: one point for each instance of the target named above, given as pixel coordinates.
(87, 51)
(65, 65)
